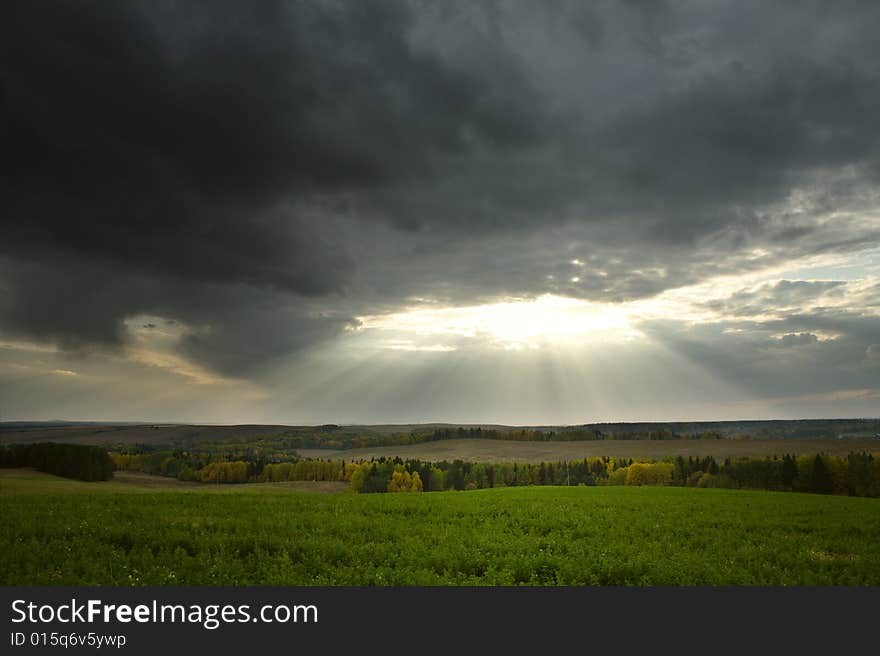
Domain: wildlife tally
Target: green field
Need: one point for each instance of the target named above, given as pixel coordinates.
(129, 532)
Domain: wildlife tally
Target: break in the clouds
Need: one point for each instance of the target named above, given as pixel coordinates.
(407, 211)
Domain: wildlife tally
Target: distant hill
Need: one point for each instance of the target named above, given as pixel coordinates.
(334, 436)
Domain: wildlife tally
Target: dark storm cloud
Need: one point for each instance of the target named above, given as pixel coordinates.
(233, 328)
(175, 139)
(264, 172)
(730, 144)
(154, 148)
(249, 330)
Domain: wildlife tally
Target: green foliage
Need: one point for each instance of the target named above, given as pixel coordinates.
(187, 465)
(513, 536)
(84, 463)
(224, 472)
(857, 474)
(642, 473)
(820, 477)
(618, 477)
(403, 481)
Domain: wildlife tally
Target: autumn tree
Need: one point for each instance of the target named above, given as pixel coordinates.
(401, 481)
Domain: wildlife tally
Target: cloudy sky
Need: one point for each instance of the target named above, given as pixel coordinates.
(514, 212)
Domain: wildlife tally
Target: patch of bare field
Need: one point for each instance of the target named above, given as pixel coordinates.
(321, 487)
(150, 481)
(140, 479)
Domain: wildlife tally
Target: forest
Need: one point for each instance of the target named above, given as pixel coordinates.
(208, 465)
(857, 474)
(84, 463)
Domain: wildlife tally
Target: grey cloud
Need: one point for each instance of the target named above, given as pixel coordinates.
(784, 295)
(268, 172)
(249, 336)
(767, 366)
(234, 329)
(798, 339)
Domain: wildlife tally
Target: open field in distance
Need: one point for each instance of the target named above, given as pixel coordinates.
(189, 435)
(149, 482)
(268, 535)
(505, 451)
(108, 434)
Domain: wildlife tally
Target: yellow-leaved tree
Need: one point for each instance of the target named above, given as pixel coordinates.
(403, 481)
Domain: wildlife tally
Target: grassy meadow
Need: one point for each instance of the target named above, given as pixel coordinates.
(137, 530)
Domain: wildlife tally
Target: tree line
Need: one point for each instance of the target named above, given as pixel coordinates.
(222, 464)
(325, 440)
(857, 474)
(84, 463)
(573, 434)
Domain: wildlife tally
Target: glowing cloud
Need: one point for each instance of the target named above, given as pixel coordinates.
(510, 324)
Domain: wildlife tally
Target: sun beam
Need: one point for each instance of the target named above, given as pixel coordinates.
(511, 324)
